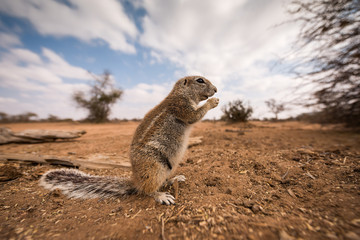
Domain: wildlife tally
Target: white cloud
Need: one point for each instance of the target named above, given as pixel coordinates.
(60, 67)
(138, 100)
(18, 55)
(9, 40)
(87, 20)
(38, 81)
(233, 43)
(26, 69)
(213, 37)
(4, 100)
(148, 93)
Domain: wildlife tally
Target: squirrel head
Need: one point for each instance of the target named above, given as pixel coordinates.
(197, 88)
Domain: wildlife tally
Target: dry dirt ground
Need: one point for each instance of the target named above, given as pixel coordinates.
(266, 181)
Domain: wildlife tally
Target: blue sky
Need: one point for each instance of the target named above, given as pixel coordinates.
(47, 47)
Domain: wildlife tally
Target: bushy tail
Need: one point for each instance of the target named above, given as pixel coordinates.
(77, 184)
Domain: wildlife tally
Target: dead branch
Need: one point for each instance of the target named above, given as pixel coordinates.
(62, 161)
(37, 135)
(193, 141)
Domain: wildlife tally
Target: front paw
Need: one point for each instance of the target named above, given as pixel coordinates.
(213, 102)
(164, 198)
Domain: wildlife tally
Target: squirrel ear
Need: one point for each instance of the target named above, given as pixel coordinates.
(185, 81)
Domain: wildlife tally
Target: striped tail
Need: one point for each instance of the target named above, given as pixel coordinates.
(76, 184)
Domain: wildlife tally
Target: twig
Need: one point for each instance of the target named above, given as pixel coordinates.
(284, 176)
(177, 214)
(309, 174)
(176, 188)
(163, 229)
(233, 205)
(291, 193)
(136, 214)
(265, 225)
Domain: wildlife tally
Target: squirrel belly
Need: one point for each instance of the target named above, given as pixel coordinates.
(157, 148)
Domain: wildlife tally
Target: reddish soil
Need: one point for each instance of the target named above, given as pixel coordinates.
(266, 181)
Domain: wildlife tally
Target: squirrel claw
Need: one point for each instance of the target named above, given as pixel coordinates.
(164, 198)
(180, 178)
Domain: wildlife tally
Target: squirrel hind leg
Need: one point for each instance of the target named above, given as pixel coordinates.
(164, 198)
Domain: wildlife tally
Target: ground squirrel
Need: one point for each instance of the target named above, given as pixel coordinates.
(158, 146)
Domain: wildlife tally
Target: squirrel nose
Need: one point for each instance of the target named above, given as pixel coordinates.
(215, 89)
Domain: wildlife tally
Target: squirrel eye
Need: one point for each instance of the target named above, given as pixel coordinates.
(200, 80)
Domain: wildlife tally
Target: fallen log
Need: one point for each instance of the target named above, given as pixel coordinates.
(37, 135)
(64, 161)
(193, 141)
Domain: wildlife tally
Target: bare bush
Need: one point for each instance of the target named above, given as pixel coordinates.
(330, 42)
(275, 107)
(100, 97)
(236, 112)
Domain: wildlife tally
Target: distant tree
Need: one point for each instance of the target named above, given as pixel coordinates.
(236, 112)
(25, 117)
(312, 117)
(329, 43)
(275, 107)
(4, 117)
(99, 99)
(53, 118)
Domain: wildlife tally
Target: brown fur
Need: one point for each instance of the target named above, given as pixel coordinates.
(164, 131)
